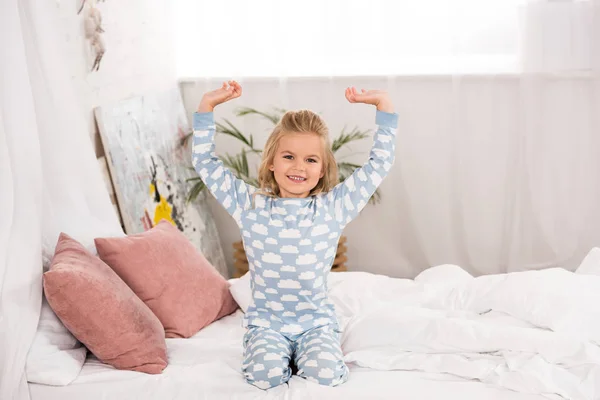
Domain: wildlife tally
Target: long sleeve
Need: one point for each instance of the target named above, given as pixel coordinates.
(348, 198)
(233, 193)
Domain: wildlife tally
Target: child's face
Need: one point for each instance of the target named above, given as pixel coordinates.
(298, 164)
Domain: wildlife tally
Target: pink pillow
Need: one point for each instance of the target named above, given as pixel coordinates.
(174, 279)
(102, 312)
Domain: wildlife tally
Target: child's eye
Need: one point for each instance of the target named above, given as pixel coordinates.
(288, 157)
(312, 160)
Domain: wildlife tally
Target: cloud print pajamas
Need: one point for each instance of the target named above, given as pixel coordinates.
(291, 244)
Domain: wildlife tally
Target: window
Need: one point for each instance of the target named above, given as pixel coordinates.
(351, 37)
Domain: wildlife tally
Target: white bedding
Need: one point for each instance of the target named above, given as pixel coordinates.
(207, 366)
(529, 335)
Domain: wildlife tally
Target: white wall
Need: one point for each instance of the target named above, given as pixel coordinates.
(492, 173)
(139, 54)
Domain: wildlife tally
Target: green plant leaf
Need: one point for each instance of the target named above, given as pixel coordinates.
(184, 140)
(237, 164)
(231, 130)
(376, 198)
(244, 164)
(345, 138)
(195, 190)
(273, 117)
(346, 168)
(231, 163)
(252, 181)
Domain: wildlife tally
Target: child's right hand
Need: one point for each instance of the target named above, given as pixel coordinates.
(229, 91)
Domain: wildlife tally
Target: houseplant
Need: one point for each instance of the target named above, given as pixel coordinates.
(239, 165)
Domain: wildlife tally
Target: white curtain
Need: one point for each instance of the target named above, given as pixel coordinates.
(49, 179)
(495, 171)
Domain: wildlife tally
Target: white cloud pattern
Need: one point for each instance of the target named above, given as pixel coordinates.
(270, 274)
(320, 230)
(289, 234)
(306, 275)
(260, 229)
(289, 249)
(272, 258)
(321, 246)
(288, 284)
(306, 259)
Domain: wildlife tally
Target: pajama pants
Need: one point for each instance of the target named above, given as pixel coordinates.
(316, 353)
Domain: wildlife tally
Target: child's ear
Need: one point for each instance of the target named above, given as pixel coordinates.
(272, 168)
(322, 173)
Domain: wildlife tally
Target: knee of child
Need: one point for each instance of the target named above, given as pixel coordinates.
(267, 373)
(330, 374)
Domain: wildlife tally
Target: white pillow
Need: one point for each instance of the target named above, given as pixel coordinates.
(591, 263)
(241, 292)
(445, 274)
(56, 356)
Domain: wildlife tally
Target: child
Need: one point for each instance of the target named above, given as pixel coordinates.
(290, 228)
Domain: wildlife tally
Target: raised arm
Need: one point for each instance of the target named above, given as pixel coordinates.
(349, 197)
(233, 193)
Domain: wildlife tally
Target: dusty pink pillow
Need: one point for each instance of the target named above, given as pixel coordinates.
(102, 312)
(174, 279)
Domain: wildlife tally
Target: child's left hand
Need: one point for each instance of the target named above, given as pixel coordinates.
(378, 98)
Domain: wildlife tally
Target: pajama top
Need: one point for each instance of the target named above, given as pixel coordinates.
(291, 242)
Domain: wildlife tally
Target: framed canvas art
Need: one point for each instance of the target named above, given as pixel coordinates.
(149, 167)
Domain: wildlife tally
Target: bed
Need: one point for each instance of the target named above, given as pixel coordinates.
(207, 367)
(445, 334)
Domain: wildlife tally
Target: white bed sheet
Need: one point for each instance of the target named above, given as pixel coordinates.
(207, 366)
(443, 335)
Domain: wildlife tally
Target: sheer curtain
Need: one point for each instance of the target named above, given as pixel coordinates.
(20, 200)
(519, 154)
(498, 163)
(49, 178)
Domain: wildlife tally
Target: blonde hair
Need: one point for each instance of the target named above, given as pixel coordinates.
(302, 121)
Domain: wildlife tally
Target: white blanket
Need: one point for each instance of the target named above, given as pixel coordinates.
(532, 332)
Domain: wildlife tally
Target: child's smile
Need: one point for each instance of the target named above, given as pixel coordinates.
(296, 178)
(298, 164)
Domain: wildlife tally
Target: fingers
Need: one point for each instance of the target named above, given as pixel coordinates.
(229, 90)
(348, 94)
(357, 97)
(234, 89)
(354, 96)
(237, 88)
(363, 96)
